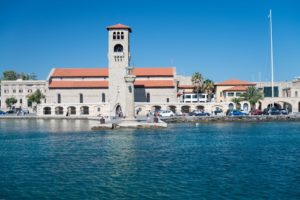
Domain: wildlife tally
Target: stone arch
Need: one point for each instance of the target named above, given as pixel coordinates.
(172, 108)
(200, 107)
(71, 110)
(276, 105)
(84, 110)
(245, 106)
(118, 48)
(156, 108)
(119, 111)
(59, 110)
(185, 109)
(47, 110)
(287, 106)
(231, 106)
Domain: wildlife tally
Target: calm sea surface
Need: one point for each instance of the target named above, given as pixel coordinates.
(61, 159)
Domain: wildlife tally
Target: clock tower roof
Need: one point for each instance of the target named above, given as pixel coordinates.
(118, 26)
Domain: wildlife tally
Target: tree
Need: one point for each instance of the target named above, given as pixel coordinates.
(253, 95)
(9, 75)
(208, 87)
(237, 102)
(36, 98)
(197, 81)
(10, 101)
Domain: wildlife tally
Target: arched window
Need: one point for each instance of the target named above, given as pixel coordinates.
(122, 35)
(80, 98)
(103, 97)
(58, 98)
(118, 48)
(114, 35)
(148, 97)
(118, 35)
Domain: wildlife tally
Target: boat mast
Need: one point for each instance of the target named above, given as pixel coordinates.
(272, 62)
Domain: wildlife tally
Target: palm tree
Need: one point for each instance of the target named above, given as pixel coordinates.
(237, 102)
(208, 87)
(197, 80)
(36, 98)
(253, 95)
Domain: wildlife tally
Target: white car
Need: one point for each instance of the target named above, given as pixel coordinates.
(166, 113)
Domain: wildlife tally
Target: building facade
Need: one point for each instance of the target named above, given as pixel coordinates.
(20, 89)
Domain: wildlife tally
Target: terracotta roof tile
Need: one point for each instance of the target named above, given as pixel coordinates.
(237, 88)
(154, 71)
(234, 82)
(80, 72)
(119, 26)
(154, 83)
(78, 84)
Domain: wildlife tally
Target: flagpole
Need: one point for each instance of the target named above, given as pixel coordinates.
(272, 62)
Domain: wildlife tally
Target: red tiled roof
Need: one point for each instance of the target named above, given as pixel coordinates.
(119, 26)
(234, 82)
(103, 72)
(237, 88)
(186, 86)
(153, 71)
(80, 72)
(154, 83)
(78, 84)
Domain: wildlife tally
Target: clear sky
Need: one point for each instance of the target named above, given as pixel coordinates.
(222, 39)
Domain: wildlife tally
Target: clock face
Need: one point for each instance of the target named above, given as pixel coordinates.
(118, 48)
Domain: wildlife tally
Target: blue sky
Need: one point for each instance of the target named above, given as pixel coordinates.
(221, 39)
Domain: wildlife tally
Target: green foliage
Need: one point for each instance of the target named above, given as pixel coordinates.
(208, 87)
(10, 101)
(9, 75)
(36, 97)
(197, 81)
(253, 95)
(237, 102)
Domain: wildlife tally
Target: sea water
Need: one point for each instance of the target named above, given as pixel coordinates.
(63, 159)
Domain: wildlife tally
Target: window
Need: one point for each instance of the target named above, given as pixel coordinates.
(168, 100)
(114, 35)
(230, 94)
(80, 98)
(21, 101)
(118, 35)
(148, 97)
(5, 91)
(221, 94)
(58, 98)
(268, 91)
(29, 104)
(122, 35)
(103, 97)
(118, 48)
(29, 91)
(14, 91)
(296, 93)
(20, 91)
(238, 94)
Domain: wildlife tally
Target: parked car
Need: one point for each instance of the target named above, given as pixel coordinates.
(2, 112)
(11, 112)
(166, 113)
(272, 111)
(283, 111)
(235, 113)
(218, 111)
(25, 111)
(256, 112)
(199, 113)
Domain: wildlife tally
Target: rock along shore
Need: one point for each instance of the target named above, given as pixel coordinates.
(206, 119)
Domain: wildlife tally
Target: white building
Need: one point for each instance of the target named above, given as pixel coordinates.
(20, 89)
